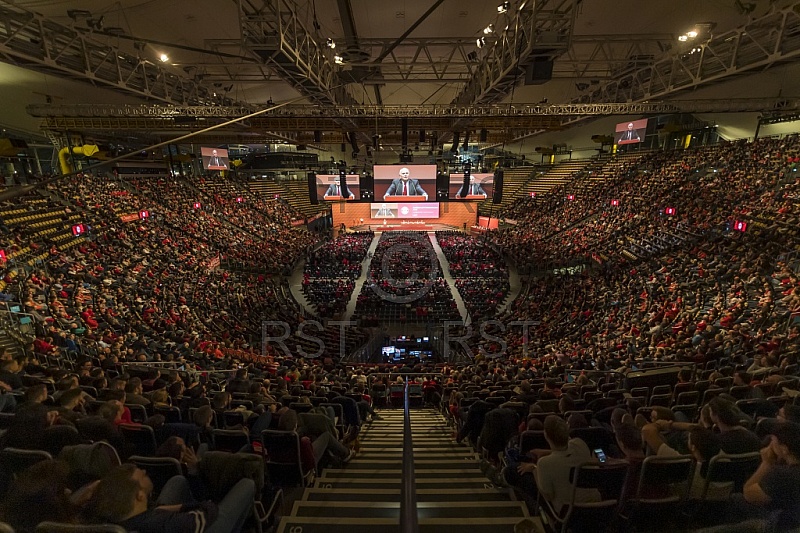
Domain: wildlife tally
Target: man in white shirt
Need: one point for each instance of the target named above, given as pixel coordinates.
(552, 471)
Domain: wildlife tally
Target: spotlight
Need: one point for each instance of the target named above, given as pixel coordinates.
(488, 29)
(164, 58)
(331, 44)
(339, 60)
(683, 38)
(481, 42)
(691, 34)
(502, 8)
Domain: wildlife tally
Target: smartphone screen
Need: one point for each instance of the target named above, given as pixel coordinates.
(601, 455)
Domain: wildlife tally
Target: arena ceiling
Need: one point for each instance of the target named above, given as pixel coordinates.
(252, 52)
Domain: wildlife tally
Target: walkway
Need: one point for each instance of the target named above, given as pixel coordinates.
(515, 286)
(453, 495)
(351, 305)
(462, 309)
(296, 286)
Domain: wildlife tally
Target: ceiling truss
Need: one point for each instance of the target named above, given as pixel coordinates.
(762, 43)
(33, 41)
(428, 111)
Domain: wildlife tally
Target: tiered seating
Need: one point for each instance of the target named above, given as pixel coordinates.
(297, 196)
(513, 181)
(715, 309)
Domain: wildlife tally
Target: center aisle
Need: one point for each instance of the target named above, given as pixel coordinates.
(351, 305)
(452, 492)
(462, 309)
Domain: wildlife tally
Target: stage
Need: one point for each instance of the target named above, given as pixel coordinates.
(404, 227)
(358, 216)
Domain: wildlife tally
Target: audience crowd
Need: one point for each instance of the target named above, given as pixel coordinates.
(139, 345)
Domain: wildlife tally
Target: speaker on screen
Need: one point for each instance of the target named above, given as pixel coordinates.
(497, 193)
(312, 188)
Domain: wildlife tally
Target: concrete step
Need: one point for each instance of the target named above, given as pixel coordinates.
(373, 525)
(478, 481)
(419, 473)
(371, 509)
(423, 495)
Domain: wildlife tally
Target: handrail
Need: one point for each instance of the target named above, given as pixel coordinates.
(408, 501)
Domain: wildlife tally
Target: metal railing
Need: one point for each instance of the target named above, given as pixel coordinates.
(409, 522)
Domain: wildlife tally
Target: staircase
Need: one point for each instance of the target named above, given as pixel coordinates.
(453, 495)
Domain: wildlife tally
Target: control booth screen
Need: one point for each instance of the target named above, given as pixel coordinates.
(214, 158)
(405, 210)
(480, 186)
(630, 132)
(410, 181)
(330, 188)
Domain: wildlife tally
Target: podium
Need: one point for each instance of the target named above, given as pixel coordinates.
(334, 198)
(473, 197)
(405, 199)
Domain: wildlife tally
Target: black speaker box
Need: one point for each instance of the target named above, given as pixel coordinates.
(541, 71)
(497, 189)
(312, 188)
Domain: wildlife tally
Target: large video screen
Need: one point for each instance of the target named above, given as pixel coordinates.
(480, 186)
(214, 158)
(329, 187)
(392, 181)
(406, 210)
(630, 132)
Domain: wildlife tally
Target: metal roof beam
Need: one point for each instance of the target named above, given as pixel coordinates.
(33, 41)
(731, 105)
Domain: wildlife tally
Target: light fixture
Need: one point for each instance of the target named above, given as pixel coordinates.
(502, 8)
(691, 34)
(488, 29)
(164, 58)
(683, 38)
(331, 44)
(481, 42)
(339, 60)
(75, 14)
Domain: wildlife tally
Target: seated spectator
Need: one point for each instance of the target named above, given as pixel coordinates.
(734, 438)
(312, 451)
(552, 472)
(39, 493)
(776, 484)
(122, 497)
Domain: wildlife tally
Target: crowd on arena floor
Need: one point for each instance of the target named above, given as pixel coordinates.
(480, 273)
(330, 272)
(405, 282)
